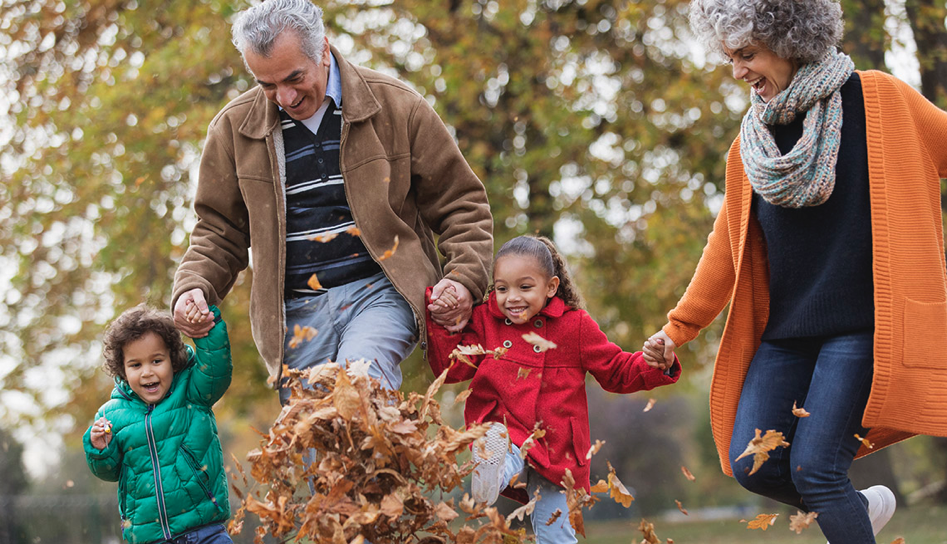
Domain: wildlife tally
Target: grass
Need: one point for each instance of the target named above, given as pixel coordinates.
(921, 524)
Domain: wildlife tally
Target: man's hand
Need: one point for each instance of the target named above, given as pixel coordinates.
(101, 433)
(453, 311)
(658, 350)
(191, 314)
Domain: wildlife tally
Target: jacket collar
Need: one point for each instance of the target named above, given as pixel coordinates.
(359, 102)
(554, 308)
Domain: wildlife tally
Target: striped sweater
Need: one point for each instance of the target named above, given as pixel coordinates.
(907, 156)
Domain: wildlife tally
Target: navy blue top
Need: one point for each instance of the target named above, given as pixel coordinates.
(820, 277)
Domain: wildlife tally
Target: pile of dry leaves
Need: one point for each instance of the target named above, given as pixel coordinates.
(384, 465)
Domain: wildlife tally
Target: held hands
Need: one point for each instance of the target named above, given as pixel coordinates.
(451, 305)
(658, 351)
(191, 314)
(101, 433)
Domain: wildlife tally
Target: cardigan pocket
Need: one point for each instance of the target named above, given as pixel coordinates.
(925, 328)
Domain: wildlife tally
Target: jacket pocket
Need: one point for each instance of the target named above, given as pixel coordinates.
(200, 473)
(581, 441)
(925, 328)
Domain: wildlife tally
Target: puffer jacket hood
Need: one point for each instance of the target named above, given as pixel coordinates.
(166, 457)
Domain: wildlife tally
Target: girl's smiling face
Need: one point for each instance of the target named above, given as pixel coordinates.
(148, 367)
(522, 287)
(767, 73)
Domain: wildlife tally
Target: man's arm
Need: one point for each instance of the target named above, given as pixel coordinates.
(453, 201)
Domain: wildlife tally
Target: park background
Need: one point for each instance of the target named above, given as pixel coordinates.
(598, 122)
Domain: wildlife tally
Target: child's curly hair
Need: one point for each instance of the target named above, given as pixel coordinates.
(134, 324)
(550, 261)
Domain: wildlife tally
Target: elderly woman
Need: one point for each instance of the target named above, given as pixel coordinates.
(829, 249)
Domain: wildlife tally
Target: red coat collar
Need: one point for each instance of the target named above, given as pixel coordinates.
(554, 308)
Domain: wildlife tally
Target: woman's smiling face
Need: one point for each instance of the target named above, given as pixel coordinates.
(767, 73)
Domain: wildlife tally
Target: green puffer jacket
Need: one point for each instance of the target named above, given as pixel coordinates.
(166, 457)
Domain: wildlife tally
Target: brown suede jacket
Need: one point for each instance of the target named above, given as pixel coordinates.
(404, 177)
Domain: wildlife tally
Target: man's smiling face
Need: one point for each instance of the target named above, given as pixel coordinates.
(289, 78)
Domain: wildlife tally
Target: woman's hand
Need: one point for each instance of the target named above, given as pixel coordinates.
(658, 350)
(101, 433)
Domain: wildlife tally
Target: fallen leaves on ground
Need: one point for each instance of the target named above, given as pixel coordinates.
(799, 412)
(760, 447)
(539, 342)
(687, 473)
(762, 521)
(801, 520)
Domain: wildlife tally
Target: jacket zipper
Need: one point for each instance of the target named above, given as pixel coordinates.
(195, 468)
(159, 489)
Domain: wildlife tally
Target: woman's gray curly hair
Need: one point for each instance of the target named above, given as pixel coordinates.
(255, 29)
(800, 30)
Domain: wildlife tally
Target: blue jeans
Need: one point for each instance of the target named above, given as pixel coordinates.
(552, 498)
(208, 534)
(831, 378)
(365, 319)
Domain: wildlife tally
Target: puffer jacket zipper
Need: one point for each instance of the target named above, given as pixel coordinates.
(159, 489)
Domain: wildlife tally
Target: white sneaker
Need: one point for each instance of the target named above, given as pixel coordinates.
(881, 505)
(487, 480)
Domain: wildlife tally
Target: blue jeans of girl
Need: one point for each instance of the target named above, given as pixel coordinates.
(552, 498)
(831, 378)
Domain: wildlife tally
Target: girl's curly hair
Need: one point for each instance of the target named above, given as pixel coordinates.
(801, 30)
(550, 261)
(134, 324)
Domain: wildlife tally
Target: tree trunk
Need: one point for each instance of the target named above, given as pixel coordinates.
(926, 18)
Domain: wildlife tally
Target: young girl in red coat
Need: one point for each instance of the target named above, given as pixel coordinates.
(530, 387)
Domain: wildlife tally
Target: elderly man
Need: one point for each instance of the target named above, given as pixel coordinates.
(338, 177)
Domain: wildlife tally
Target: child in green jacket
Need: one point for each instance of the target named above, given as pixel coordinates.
(157, 436)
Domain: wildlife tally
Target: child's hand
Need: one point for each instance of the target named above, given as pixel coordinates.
(101, 433)
(658, 351)
(192, 313)
(448, 299)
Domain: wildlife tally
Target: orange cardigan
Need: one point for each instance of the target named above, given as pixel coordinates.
(907, 156)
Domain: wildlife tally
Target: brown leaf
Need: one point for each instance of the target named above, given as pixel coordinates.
(647, 529)
(445, 512)
(687, 473)
(801, 520)
(354, 231)
(760, 447)
(462, 396)
(618, 491)
(522, 373)
(600, 487)
(345, 397)
(799, 412)
(762, 521)
(313, 283)
(865, 441)
(539, 341)
(594, 449)
(650, 405)
(392, 506)
(899, 540)
(680, 507)
(389, 252)
(324, 237)
(301, 334)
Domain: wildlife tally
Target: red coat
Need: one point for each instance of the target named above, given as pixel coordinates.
(552, 392)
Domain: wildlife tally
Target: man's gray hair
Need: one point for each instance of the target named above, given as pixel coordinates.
(255, 29)
(801, 30)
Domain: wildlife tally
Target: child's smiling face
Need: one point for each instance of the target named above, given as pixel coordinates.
(148, 367)
(522, 287)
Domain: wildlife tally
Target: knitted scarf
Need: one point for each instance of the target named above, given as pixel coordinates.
(806, 175)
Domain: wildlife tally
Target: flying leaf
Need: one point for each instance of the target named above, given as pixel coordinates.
(389, 252)
(539, 342)
(760, 447)
(687, 473)
(354, 231)
(324, 237)
(313, 283)
(594, 449)
(345, 397)
(650, 405)
(801, 520)
(899, 540)
(647, 529)
(522, 373)
(799, 412)
(762, 521)
(526, 509)
(680, 507)
(301, 334)
(618, 491)
(865, 441)
(462, 396)
(600, 487)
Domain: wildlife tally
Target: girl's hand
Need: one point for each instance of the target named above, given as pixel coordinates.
(658, 351)
(101, 433)
(448, 299)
